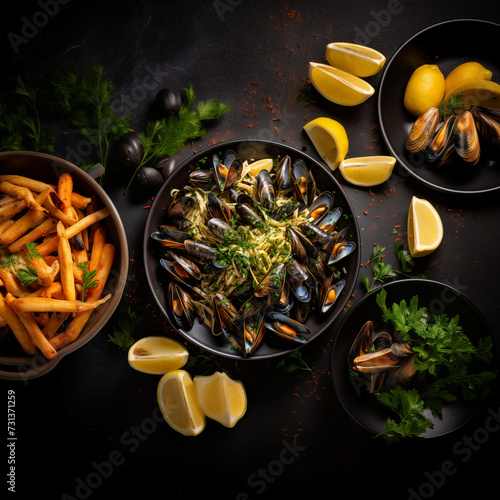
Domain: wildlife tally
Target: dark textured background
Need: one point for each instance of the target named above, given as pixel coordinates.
(93, 408)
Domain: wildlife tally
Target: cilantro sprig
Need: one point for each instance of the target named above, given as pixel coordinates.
(446, 356)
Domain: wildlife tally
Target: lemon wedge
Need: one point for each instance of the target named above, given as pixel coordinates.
(221, 398)
(476, 93)
(178, 403)
(425, 228)
(339, 86)
(367, 170)
(355, 59)
(466, 72)
(330, 140)
(157, 355)
(257, 166)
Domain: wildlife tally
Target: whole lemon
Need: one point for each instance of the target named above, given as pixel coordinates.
(424, 90)
(466, 72)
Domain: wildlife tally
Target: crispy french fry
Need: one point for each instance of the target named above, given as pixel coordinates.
(34, 331)
(17, 327)
(12, 285)
(26, 182)
(41, 304)
(22, 193)
(55, 290)
(7, 199)
(24, 223)
(8, 211)
(55, 321)
(80, 320)
(78, 200)
(46, 274)
(98, 245)
(50, 204)
(65, 263)
(6, 225)
(48, 226)
(47, 247)
(64, 189)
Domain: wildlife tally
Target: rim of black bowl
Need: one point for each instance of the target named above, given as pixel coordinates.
(364, 418)
(224, 351)
(403, 160)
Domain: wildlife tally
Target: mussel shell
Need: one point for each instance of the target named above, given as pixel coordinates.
(173, 233)
(272, 283)
(181, 306)
(401, 349)
(302, 247)
(178, 272)
(248, 215)
(251, 325)
(362, 343)
(200, 250)
(265, 189)
(315, 234)
(466, 138)
(218, 208)
(296, 269)
(487, 127)
(202, 179)
(284, 211)
(286, 327)
(402, 374)
(188, 265)
(166, 242)
(301, 292)
(180, 206)
(320, 206)
(311, 187)
(222, 230)
(300, 178)
(442, 139)
(226, 314)
(329, 292)
(283, 173)
(422, 131)
(285, 302)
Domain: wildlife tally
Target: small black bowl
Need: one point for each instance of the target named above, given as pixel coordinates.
(438, 298)
(200, 334)
(447, 45)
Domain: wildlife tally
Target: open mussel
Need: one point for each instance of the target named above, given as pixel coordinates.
(226, 171)
(181, 306)
(251, 325)
(182, 269)
(302, 247)
(466, 138)
(180, 205)
(442, 141)
(320, 206)
(422, 131)
(329, 292)
(339, 248)
(265, 189)
(218, 208)
(226, 314)
(300, 181)
(286, 327)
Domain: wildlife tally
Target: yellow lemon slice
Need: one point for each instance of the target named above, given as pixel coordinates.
(329, 138)
(157, 355)
(466, 72)
(425, 228)
(355, 59)
(257, 166)
(367, 170)
(476, 93)
(221, 398)
(424, 90)
(178, 403)
(339, 86)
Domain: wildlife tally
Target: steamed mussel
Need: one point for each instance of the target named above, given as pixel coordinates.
(252, 253)
(462, 138)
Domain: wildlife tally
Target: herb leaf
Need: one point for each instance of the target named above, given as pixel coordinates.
(127, 324)
(27, 276)
(87, 278)
(33, 253)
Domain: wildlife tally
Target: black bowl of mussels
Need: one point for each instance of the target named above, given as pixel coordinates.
(251, 249)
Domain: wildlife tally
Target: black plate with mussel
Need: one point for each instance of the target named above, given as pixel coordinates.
(290, 247)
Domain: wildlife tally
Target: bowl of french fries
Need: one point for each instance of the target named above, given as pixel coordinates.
(63, 261)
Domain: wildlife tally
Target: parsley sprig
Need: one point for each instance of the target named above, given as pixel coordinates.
(447, 357)
(88, 280)
(128, 323)
(454, 104)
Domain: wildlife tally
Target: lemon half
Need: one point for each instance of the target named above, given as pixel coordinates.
(178, 403)
(424, 90)
(355, 59)
(476, 93)
(425, 228)
(367, 170)
(466, 72)
(339, 86)
(330, 140)
(221, 398)
(157, 355)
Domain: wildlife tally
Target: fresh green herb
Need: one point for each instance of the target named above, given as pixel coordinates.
(455, 103)
(20, 126)
(33, 253)
(293, 362)
(306, 94)
(444, 353)
(383, 272)
(128, 322)
(84, 96)
(27, 276)
(87, 278)
(201, 364)
(165, 137)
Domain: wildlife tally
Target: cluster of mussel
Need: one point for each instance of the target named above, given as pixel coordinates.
(460, 138)
(285, 296)
(383, 360)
